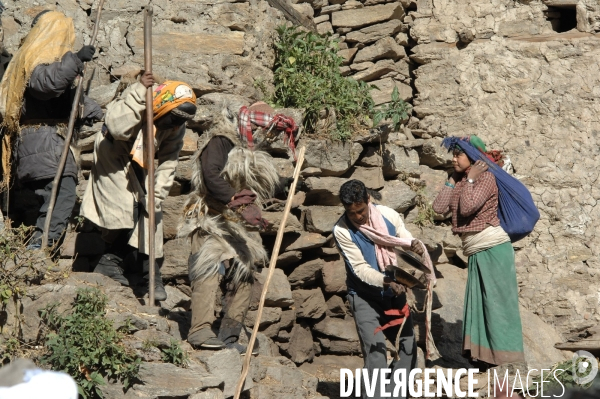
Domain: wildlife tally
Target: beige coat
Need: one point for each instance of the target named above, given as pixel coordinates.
(113, 186)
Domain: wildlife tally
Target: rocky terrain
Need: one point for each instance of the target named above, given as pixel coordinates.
(521, 75)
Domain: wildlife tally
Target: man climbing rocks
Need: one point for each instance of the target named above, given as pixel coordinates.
(36, 97)
(116, 196)
(366, 235)
(231, 180)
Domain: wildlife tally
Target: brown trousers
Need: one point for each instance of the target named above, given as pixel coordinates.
(204, 294)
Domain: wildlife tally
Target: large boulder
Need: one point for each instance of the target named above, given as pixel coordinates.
(177, 253)
(338, 336)
(321, 219)
(279, 293)
(371, 177)
(397, 160)
(280, 378)
(168, 380)
(336, 307)
(306, 273)
(274, 218)
(310, 304)
(225, 365)
(269, 316)
(302, 242)
(334, 277)
(386, 88)
(434, 155)
(397, 195)
(334, 158)
(172, 208)
(434, 181)
(358, 18)
(323, 190)
(301, 347)
(371, 158)
(288, 258)
(343, 329)
(384, 48)
(375, 32)
(376, 70)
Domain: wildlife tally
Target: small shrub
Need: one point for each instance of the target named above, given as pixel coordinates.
(307, 75)
(85, 345)
(174, 354)
(19, 266)
(9, 349)
(148, 344)
(562, 372)
(397, 110)
(426, 214)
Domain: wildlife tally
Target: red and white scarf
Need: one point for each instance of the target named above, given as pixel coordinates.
(279, 121)
(376, 230)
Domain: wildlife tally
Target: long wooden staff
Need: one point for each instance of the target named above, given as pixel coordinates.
(149, 149)
(70, 127)
(274, 254)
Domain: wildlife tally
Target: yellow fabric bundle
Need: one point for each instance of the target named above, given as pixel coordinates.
(51, 37)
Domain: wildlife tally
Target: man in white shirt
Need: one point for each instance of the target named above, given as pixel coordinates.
(370, 291)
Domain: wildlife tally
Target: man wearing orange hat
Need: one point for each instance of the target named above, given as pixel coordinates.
(115, 198)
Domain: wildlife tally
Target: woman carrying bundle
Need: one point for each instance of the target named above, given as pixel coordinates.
(491, 324)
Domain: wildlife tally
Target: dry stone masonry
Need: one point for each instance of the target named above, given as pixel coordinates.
(523, 75)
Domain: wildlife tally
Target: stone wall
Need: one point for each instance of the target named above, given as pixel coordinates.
(372, 41)
(533, 93)
(470, 76)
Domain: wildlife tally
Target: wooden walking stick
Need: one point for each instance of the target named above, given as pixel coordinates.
(274, 254)
(70, 127)
(149, 150)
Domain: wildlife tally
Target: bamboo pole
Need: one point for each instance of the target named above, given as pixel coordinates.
(274, 254)
(149, 151)
(70, 127)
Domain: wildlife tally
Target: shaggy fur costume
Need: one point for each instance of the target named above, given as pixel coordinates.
(226, 234)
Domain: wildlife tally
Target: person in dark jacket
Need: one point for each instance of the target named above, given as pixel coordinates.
(36, 96)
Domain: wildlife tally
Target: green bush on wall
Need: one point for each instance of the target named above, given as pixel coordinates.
(307, 75)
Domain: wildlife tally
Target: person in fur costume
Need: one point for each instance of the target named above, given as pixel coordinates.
(230, 182)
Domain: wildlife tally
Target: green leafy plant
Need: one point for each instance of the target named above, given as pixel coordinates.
(148, 344)
(561, 373)
(175, 354)
(307, 75)
(9, 349)
(426, 214)
(85, 345)
(397, 110)
(20, 268)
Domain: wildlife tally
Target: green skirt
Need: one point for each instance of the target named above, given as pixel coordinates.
(492, 323)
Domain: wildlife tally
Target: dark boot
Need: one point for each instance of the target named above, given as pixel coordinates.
(160, 294)
(111, 266)
(205, 340)
(229, 333)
